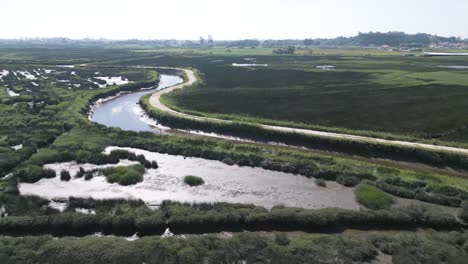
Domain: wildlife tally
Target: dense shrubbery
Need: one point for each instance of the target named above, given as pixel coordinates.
(118, 154)
(104, 205)
(402, 247)
(33, 173)
(122, 217)
(418, 194)
(222, 217)
(193, 180)
(448, 191)
(373, 198)
(124, 175)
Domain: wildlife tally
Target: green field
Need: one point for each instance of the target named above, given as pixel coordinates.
(407, 97)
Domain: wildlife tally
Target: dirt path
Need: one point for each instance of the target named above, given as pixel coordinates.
(155, 102)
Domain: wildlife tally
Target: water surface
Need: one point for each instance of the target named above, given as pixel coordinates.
(124, 111)
(223, 183)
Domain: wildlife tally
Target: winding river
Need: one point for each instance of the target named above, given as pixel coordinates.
(124, 111)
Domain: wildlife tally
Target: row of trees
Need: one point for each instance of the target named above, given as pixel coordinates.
(362, 39)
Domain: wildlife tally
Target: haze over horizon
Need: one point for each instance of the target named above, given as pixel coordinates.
(228, 20)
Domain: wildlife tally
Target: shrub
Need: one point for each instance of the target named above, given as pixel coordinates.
(65, 175)
(321, 182)
(125, 175)
(147, 164)
(193, 180)
(373, 198)
(228, 161)
(81, 172)
(348, 181)
(88, 175)
(141, 158)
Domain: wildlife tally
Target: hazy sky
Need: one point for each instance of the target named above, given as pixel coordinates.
(235, 19)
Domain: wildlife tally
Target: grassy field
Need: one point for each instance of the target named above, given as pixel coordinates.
(408, 97)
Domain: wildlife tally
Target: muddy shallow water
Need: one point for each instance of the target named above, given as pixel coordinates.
(223, 183)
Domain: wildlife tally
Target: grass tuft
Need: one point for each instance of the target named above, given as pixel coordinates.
(373, 198)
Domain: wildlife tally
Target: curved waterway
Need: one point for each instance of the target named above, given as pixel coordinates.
(124, 112)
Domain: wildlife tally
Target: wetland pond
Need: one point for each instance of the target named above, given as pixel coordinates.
(223, 183)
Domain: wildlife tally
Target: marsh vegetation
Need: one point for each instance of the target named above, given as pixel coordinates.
(46, 137)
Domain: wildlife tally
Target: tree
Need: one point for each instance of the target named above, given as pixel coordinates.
(202, 41)
(80, 173)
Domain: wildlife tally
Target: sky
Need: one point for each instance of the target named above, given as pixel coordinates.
(228, 20)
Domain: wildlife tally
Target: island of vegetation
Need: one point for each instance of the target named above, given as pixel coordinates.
(125, 175)
(193, 180)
